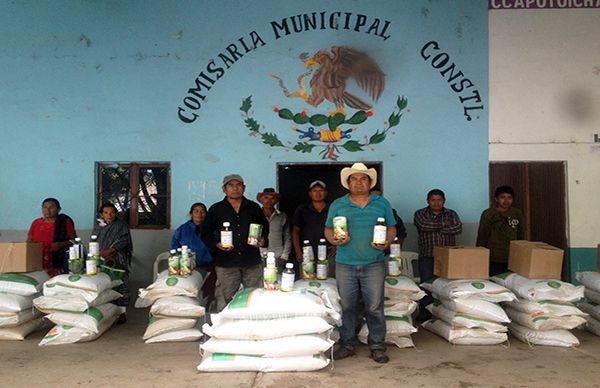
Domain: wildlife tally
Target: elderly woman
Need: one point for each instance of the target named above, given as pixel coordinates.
(54, 231)
(189, 234)
(115, 247)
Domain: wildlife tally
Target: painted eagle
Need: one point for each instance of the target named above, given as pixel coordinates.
(334, 69)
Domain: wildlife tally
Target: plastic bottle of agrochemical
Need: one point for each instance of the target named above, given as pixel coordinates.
(322, 268)
(94, 246)
(270, 273)
(322, 249)
(308, 261)
(185, 265)
(91, 266)
(380, 232)
(394, 261)
(226, 236)
(287, 278)
(173, 262)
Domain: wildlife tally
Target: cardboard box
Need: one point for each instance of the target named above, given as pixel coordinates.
(20, 257)
(535, 259)
(461, 262)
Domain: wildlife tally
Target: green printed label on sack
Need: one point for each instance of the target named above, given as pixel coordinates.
(223, 357)
(553, 284)
(16, 278)
(171, 281)
(504, 275)
(478, 285)
(314, 284)
(74, 278)
(241, 299)
(540, 319)
(403, 318)
(95, 313)
(391, 281)
(472, 318)
(153, 319)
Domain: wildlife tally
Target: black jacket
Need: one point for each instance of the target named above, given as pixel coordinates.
(242, 255)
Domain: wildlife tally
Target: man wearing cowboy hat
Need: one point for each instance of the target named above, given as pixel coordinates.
(360, 264)
(280, 237)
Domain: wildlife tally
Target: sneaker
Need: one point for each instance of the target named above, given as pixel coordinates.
(343, 352)
(379, 356)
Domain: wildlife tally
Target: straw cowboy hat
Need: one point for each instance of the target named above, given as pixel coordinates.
(268, 190)
(358, 168)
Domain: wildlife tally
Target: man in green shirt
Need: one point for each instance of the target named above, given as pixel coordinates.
(499, 225)
(360, 263)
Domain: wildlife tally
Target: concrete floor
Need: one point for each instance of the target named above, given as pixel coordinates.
(120, 358)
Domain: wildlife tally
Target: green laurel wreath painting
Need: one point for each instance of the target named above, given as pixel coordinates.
(329, 134)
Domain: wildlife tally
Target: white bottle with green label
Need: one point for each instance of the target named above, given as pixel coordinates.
(94, 246)
(308, 261)
(322, 269)
(380, 232)
(173, 262)
(322, 249)
(91, 266)
(226, 236)
(395, 261)
(270, 273)
(287, 278)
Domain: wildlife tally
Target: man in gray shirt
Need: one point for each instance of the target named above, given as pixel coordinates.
(280, 238)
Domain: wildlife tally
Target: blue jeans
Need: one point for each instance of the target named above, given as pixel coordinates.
(366, 281)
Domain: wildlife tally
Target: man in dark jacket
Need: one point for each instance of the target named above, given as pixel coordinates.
(241, 263)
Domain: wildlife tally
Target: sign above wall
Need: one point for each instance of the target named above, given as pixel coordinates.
(216, 68)
(542, 4)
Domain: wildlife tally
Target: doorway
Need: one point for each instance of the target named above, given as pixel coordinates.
(293, 180)
(540, 193)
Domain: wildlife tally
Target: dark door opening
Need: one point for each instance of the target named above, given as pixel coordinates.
(540, 193)
(293, 180)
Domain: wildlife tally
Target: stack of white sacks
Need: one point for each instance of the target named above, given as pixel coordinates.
(401, 296)
(80, 307)
(272, 331)
(466, 312)
(174, 307)
(544, 313)
(18, 318)
(591, 303)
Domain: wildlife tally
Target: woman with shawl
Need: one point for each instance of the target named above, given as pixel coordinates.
(54, 231)
(115, 247)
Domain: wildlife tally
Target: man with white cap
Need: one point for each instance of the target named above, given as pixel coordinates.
(240, 264)
(360, 266)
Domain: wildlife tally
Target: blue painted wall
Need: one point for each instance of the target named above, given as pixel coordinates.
(88, 81)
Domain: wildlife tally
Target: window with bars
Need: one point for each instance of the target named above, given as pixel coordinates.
(140, 191)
